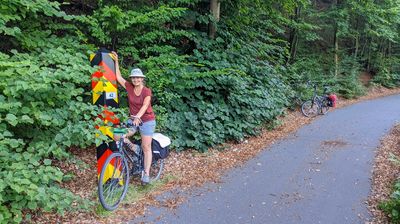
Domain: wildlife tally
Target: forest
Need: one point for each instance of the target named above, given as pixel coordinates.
(219, 70)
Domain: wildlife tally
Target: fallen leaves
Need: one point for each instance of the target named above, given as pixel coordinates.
(385, 172)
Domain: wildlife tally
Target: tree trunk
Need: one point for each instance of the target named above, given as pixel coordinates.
(364, 45)
(357, 37)
(382, 47)
(369, 56)
(386, 49)
(215, 12)
(336, 44)
(294, 38)
(114, 42)
(357, 43)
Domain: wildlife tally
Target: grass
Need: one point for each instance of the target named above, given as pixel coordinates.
(135, 193)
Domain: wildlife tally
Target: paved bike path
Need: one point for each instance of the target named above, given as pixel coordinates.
(319, 174)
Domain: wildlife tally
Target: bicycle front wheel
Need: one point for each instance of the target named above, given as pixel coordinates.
(309, 108)
(113, 181)
(156, 169)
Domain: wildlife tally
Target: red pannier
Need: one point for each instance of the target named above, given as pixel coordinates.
(332, 100)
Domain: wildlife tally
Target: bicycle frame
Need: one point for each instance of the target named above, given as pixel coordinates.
(317, 98)
(139, 164)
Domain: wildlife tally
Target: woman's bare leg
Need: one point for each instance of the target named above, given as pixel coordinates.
(146, 146)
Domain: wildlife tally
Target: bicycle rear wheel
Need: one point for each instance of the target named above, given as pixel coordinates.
(310, 109)
(113, 181)
(324, 106)
(156, 169)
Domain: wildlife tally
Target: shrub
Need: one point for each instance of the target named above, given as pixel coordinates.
(214, 108)
(392, 206)
(43, 112)
(388, 72)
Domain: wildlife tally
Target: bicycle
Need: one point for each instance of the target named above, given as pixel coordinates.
(317, 104)
(119, 166)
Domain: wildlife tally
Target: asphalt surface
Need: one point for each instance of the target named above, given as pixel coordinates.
(319, 174)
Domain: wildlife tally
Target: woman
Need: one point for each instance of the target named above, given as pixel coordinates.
(141, 112)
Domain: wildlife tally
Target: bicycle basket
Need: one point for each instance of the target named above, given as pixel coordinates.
(119, 132)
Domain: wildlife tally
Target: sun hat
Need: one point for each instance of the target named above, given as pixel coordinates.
(136, 72)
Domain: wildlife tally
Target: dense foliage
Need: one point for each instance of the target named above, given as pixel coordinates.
(214, 79)
(42, 106)
(392, 207)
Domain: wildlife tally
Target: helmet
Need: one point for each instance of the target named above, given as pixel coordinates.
(136, 72)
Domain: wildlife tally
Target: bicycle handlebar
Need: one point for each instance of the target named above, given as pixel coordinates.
(129, 123)
(314, 85)
(326, 88)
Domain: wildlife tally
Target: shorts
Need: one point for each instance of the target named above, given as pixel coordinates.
(146, 129)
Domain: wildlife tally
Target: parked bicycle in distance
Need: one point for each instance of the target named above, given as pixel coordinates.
(119, 167)
(318, 104)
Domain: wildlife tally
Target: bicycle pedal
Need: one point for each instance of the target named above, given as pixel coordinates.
(134, 172)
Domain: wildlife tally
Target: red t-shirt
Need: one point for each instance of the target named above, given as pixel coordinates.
(136, 102)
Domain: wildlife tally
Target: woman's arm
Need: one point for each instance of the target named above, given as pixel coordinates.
(121, 80)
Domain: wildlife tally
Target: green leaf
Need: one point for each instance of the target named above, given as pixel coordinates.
(25, 110)
(14, 143)
(7, 134)
(12, 119)
(47, 162)
(67, 143)
(32, 205)
(27, 119)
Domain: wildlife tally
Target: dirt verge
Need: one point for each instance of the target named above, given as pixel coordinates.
(385, 173)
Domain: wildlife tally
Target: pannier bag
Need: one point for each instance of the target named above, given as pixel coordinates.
(160, 146)
(332, 100)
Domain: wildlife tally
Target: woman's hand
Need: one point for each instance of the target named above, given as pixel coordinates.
(115, 55)
(136, 121)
